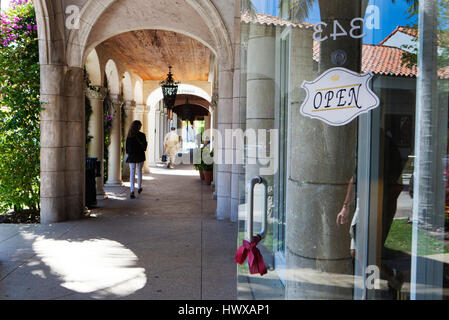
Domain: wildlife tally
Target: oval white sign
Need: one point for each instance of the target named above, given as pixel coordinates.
(338, 96)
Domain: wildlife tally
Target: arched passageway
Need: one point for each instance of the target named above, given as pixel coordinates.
(97, 43)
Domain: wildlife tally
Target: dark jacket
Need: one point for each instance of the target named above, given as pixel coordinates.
(135, 148)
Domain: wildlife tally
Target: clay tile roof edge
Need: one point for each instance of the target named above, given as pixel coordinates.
(266, 19)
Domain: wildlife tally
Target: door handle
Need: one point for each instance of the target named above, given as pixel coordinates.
(252, 184)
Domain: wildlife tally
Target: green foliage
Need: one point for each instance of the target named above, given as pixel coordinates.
(88, 107)
(110, 112)
(400, 239)
(124, 133)
(89, 111)
(410, 58)
(207, 163)
(20, 109)
(296, 10)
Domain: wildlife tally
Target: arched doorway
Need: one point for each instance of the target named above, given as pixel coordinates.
(155, 104)
(194, 119)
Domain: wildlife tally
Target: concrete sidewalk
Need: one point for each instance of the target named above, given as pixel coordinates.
(166, 244)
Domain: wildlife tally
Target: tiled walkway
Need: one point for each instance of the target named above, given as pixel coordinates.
(166, 244)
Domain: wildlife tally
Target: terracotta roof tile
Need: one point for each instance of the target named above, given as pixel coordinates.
(266, 19)
(378, 59)
(385, 60)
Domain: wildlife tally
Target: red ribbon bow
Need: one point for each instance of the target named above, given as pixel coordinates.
(255, 259)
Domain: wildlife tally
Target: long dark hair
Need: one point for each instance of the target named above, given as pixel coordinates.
(135, 128)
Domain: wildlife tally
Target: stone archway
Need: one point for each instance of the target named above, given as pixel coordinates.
(113, 77)
(114, 160)
(81, 40)
(93, 68)
(63, 54)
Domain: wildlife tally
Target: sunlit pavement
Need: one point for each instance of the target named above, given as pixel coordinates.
(166, 244)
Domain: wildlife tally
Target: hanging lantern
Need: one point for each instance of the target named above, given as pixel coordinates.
(169, 90)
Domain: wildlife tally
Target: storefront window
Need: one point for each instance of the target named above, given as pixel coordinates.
(360, 207)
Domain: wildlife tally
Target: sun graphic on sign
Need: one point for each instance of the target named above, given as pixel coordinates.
(335, 78)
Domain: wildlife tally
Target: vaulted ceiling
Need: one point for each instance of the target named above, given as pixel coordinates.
(148, 53)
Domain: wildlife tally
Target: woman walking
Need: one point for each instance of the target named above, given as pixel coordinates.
(136, 145)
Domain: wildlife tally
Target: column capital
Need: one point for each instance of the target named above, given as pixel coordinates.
(116, 98)
(140, 108)
(130, 105)
(95, 93)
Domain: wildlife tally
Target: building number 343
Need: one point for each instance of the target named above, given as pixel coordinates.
(371, 21)
(355, 32)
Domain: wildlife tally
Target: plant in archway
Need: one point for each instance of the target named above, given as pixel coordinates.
(109, 114)
(20, 109)
(410, 55)
(204, 163)
(108, 117)
(88, 107)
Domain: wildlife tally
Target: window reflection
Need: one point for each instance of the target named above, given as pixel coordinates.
(378, 213)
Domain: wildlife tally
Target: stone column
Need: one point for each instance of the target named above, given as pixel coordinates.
(114, 169)
(153, 139)
(157, 134)
(238, 123)
(166, 125)
(139, 112)
(224, 170)
(146, 130)
(130, 107)
(75, 146)
(62, 144)
(96, 130)
(242, 108)
(130, 111)
(161, 131)
(53, 156)
(207, 125)
(175, 122)
(321, 161)
(260, 91)
(214, 137)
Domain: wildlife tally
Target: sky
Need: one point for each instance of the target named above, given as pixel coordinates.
(4, 3)
(391, 15)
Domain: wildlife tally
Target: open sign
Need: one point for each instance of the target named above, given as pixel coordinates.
(339, 96)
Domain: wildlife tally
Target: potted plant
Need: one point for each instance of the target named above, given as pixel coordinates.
(208, 169)
(199, 168)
